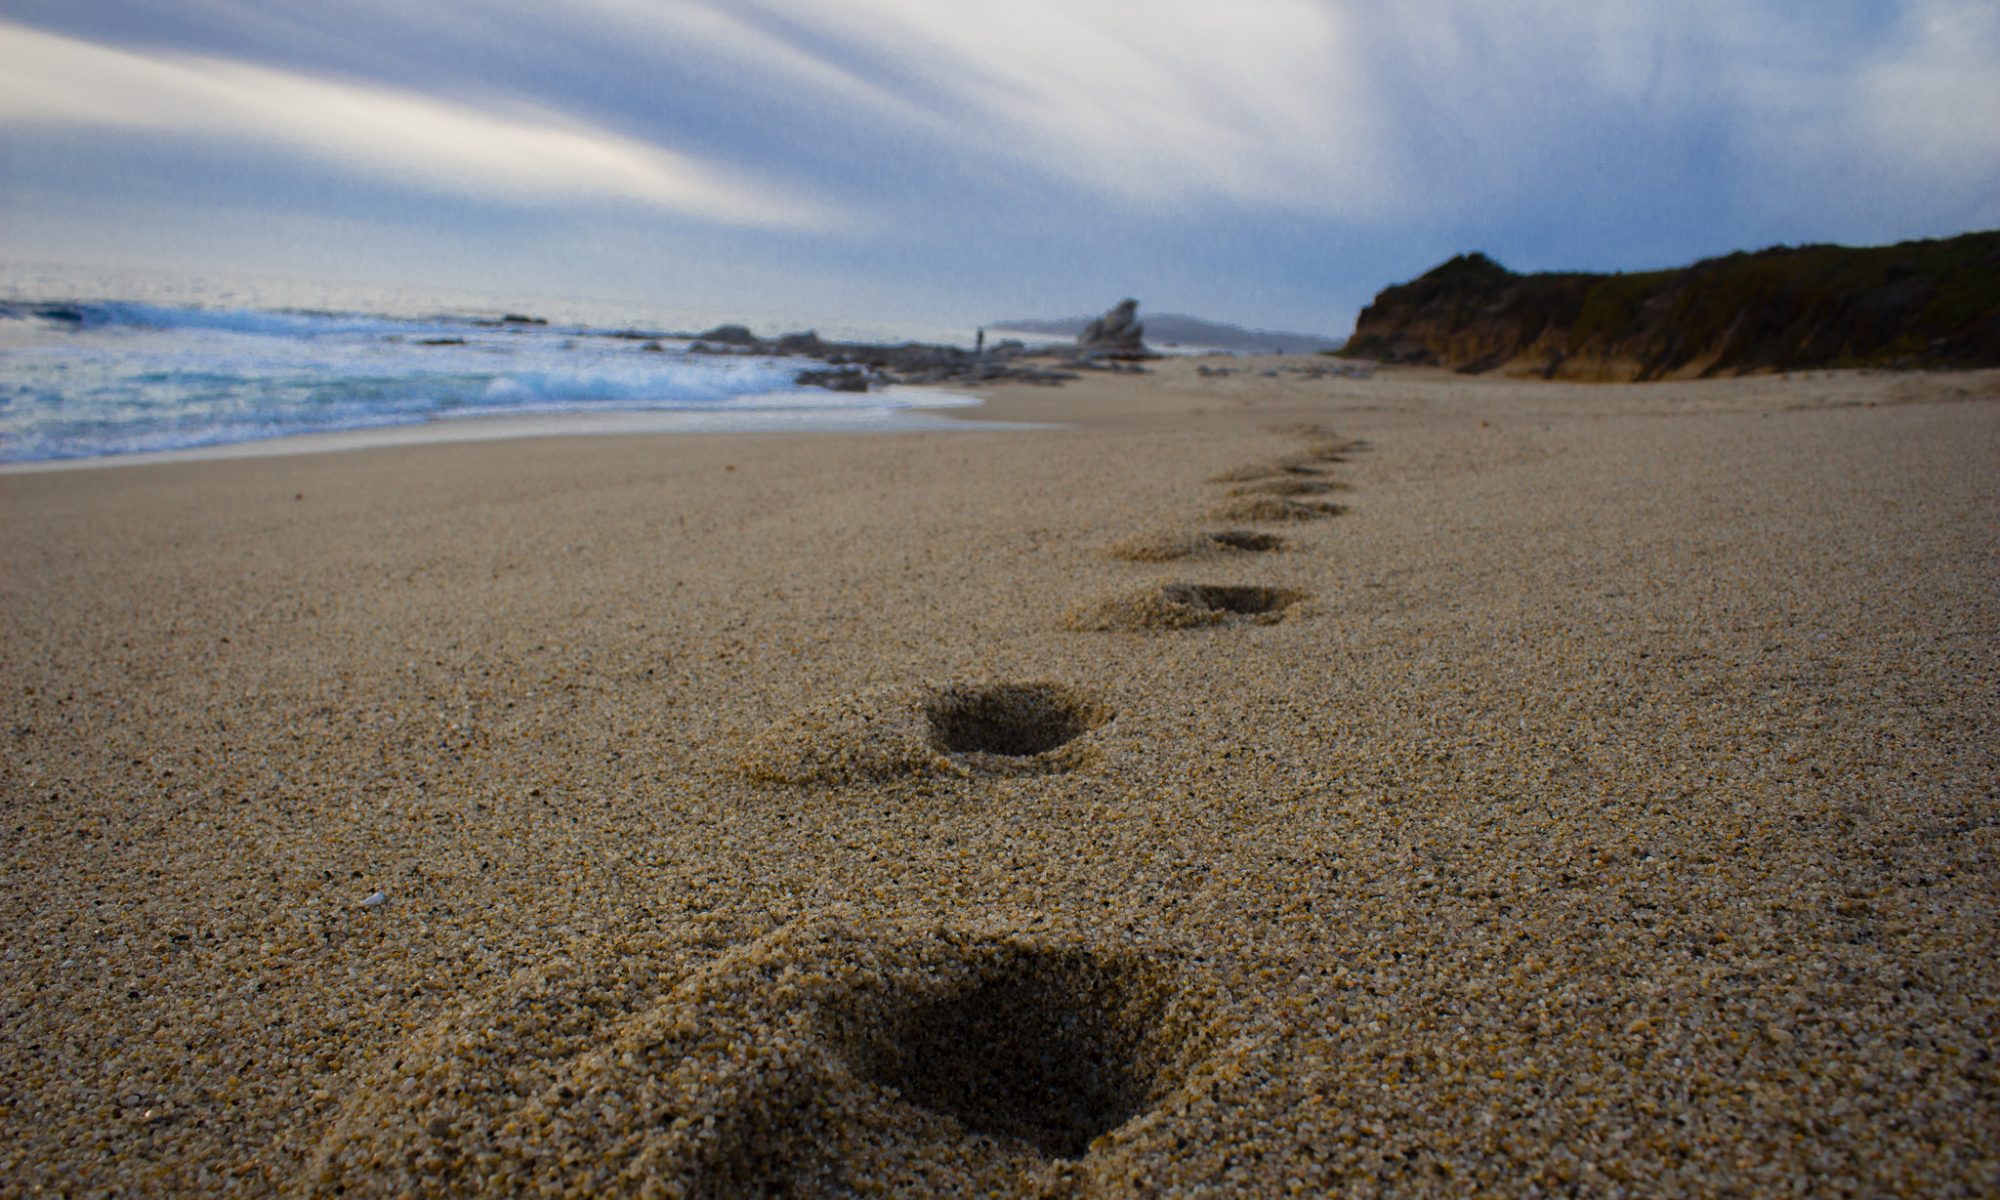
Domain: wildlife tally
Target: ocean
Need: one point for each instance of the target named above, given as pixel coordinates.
(95, 379)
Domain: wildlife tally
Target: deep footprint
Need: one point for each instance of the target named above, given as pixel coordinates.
(1045, 1049)
(1009, 720)
(952, 729)
(1289, 485)
(826, 1057)
(1291, 465)
(1211, 544)
(1333, 449)
(1185, 606)
(1246, 540)
(1276, 508)
(1322, 443)
(1237, 601)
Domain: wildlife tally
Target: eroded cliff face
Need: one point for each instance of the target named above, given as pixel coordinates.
(1916, 304)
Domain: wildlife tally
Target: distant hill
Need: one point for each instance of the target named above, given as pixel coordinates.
(1916, 304)
(1177, 329)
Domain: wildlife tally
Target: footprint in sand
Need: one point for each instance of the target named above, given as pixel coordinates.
(1275, 508)
(1323, 444)
(827, 1056)
(1289, 485)
(1295, 465)
(943, 730)
(1185, 606)
(1329, 448)
(1218, 543)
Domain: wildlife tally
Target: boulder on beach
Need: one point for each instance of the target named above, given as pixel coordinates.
(1116, 332)
(849, 379)
(801, 345)
(729, 335)
(865, 365)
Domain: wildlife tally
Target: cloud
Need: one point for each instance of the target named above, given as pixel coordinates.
(1165, 104)
(1931, 111)
(725, 34)
(1094, 141)
(516, 152)
(1894, 135)
(1424, 110)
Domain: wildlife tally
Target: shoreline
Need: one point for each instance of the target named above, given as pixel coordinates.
(1002, 405)
(486, 428)
(1380, 783)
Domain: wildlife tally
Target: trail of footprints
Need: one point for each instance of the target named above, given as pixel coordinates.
(1280, 491)
(840, 1054)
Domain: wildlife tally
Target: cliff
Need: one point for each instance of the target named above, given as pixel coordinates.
(1916, 304)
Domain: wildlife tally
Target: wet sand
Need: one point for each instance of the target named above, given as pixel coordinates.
(1588, 788)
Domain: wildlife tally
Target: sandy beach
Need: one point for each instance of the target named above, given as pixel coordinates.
(1266, 783)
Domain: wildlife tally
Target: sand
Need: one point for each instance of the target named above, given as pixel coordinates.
(1609, 808)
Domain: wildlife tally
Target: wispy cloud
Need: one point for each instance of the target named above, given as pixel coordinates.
(1165, 103)
(1419, 110)
(516, 152)
(724, 34)
(1929, 112)
(997, 147)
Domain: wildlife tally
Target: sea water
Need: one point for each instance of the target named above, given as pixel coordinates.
(89, 379)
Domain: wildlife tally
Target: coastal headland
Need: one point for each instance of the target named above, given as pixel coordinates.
(1269, 781)
(1932, 303)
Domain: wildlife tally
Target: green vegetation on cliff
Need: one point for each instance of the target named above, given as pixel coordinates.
(1916, 304)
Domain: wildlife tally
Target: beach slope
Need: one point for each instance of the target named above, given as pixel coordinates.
(1270, 782)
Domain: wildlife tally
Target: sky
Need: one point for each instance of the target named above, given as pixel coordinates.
(1272, 163)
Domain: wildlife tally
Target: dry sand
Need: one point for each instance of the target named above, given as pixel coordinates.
(1611, 806)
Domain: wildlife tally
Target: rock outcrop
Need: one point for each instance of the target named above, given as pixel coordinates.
(1917, 304)
(841, 379)
(859, 366)
(1116, 334)
(729, 335)
(1180, 330)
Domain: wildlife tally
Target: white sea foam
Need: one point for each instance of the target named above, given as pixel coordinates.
(115, 378)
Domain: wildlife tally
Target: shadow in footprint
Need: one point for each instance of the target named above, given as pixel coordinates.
(1229, 600)
(1046, 1048)
(1018, 720)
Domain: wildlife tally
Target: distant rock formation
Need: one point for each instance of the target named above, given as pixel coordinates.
(1182, 331)
(801, 345)
(1116, 334)
(729, 335)
(861, 366)
(1916, 304)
